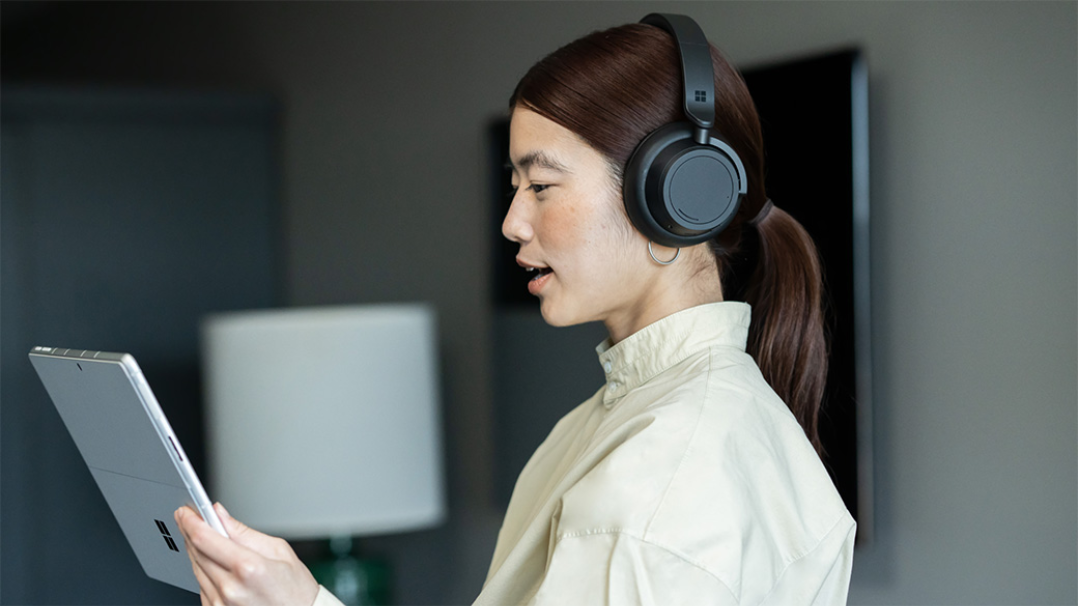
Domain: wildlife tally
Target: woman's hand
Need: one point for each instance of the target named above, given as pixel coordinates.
(247, 568)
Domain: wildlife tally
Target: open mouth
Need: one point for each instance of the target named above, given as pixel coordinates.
(537, 273)
(537, 276)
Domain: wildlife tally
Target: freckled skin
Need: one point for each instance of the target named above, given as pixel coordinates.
(574, 222)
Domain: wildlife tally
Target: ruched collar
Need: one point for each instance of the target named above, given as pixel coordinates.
(663, 344)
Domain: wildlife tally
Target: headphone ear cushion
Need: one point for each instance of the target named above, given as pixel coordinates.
(678, 192)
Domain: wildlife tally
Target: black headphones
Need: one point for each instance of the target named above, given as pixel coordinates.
(684, 183)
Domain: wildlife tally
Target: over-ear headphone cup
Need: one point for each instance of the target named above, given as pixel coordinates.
(678, 192)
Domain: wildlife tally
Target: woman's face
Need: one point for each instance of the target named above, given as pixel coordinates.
(589, 263)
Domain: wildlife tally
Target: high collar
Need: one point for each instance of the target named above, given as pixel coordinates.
(663, 344)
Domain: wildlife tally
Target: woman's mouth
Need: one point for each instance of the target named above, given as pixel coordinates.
(539, 277)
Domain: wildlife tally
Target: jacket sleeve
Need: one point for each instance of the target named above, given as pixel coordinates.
(619, 569)
(821, 577)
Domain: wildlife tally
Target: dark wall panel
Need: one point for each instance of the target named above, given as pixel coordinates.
(126, 216)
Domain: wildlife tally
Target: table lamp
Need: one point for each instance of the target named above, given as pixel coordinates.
(324, 423)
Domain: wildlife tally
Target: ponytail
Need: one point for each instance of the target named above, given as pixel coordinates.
(786, 336)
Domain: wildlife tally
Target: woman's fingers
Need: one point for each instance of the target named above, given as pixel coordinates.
(219, 564)
(223, 568)
(209, 545)
(209, 593)
(246, 568)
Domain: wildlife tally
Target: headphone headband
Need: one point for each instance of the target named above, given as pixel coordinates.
(698, 78)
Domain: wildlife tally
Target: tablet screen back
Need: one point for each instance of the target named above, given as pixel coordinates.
(129, 447)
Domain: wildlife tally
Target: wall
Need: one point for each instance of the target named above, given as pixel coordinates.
(974, 230)
(125, 219)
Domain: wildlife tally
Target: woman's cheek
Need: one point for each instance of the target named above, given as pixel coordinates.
(565, 235)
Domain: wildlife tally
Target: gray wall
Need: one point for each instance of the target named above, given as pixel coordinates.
(975, 211)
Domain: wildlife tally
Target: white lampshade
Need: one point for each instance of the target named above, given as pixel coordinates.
(325, 421)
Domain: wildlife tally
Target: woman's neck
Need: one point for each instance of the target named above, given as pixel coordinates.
(672, 292)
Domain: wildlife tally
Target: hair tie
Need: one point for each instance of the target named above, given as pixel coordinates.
(762, 214)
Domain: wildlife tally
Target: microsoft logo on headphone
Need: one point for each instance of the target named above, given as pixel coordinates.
(701, 96)
(168, 537)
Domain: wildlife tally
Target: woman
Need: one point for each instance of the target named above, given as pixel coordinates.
(692, 475)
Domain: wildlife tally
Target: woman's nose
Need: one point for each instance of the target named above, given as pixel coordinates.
(516, 226)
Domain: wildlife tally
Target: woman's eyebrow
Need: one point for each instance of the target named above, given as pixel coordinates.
(538, 159)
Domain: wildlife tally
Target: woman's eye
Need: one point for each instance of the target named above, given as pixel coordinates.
(534, 187)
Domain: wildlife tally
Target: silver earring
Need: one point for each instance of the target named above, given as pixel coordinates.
(652, 253)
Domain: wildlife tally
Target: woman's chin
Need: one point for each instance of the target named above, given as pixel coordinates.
(558, 316)
(548, 316)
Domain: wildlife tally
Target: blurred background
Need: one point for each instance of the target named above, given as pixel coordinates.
(161, 161)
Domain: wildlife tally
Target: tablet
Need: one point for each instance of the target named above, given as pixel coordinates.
(133, 455)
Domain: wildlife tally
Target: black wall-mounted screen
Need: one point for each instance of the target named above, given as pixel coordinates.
(814, 114)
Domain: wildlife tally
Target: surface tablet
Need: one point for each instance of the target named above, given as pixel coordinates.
(133, 455)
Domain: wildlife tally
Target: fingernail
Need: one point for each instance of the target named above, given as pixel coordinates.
(221, 510)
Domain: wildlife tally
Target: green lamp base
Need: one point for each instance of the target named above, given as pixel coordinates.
(355, 581)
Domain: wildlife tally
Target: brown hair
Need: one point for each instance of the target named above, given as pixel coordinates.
(612, 88)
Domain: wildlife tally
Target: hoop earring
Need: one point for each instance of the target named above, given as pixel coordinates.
(652, 253)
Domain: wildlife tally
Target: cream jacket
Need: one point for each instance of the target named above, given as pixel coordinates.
(684, 480)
